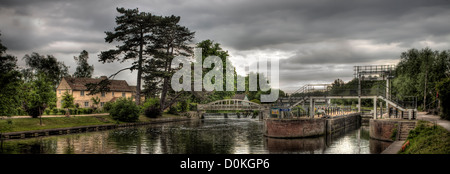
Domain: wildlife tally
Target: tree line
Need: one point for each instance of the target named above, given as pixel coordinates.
(149, 41)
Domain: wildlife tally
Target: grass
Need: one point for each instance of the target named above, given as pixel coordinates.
(428, 138)
(27, 124)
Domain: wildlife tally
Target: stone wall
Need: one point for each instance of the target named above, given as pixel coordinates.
(382, 129)
(294, 128)
(297, 128)
(341, 122)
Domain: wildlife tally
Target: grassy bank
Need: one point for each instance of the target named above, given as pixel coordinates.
(428, 138)
(27, 124)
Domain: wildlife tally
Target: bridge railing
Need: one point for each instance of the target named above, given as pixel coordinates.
(407, 102)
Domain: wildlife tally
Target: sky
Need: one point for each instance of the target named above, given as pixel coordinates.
(316, 41)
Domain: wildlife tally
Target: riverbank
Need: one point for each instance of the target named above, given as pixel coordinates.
(31, 124)
(428, 138)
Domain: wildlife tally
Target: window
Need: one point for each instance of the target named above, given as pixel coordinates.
(102, 103)
(103, 94)
(81, 93)
(123, 94)
(86, 104)
(59, 91)
(113, 94)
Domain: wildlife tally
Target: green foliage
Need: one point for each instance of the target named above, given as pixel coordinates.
(39, 93)
(443, 88)
(48, 65)
(83, 68)
(183, 105)
(125, 110)
(55, 111)
(193, 106)
(255, 101)
(394, 133)
(108, 106)
(173, 110)
(10, 84)
(428, 138)
(67, 100)
(418, 73)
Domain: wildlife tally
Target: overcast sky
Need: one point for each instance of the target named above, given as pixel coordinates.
(316, 41)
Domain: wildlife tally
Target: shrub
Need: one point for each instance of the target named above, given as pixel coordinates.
(124, 110)
(183, 106)
(47, 111)
(151, 108)
(152, 112)
(55, 111)
(62, 111)
(88, 111)
(193, 106)
(173, 110)
(107, 106)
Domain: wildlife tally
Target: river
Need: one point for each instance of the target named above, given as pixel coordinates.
(208, 136)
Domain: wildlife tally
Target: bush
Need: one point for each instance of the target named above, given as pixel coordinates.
(152, 112)
(62, 111)
(108, 106)
(55, 111)
(173, 110)
(151, 108)
(183, 106)
(124, 110)
(193, 106)
(47, 111)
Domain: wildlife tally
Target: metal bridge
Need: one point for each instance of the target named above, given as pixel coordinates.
(322, 93)
(233, 105)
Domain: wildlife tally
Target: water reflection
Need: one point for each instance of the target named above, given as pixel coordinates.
(210, 136)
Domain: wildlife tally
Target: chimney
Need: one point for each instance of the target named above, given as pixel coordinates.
(103, 77)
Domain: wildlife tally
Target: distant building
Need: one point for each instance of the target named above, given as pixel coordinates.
(76, 87)
(240, 96)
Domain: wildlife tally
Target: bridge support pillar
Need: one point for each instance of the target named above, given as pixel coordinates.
(311, 108)
(375, 108)
(359, 104)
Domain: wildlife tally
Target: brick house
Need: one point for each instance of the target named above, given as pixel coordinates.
(76, 87)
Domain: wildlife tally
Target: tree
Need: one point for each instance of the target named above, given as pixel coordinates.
(170, 40)
(10, 83)
(95, 101)
(67, 100)
(39, 95)
(48, 65)
(83, 68)
(443, 88)
(133, 31)
(209, 48)
(418, 72)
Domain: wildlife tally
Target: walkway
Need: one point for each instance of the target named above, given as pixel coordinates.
(48, 116)
(434, 118)
(393, 148)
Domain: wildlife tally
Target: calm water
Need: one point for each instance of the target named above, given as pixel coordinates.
(210, 136)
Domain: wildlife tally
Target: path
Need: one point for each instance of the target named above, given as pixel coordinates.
(48, 116)
(434, 118)
(393, 148)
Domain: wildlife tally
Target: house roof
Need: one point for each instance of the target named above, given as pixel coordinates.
(116, 85)
(240, 96)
